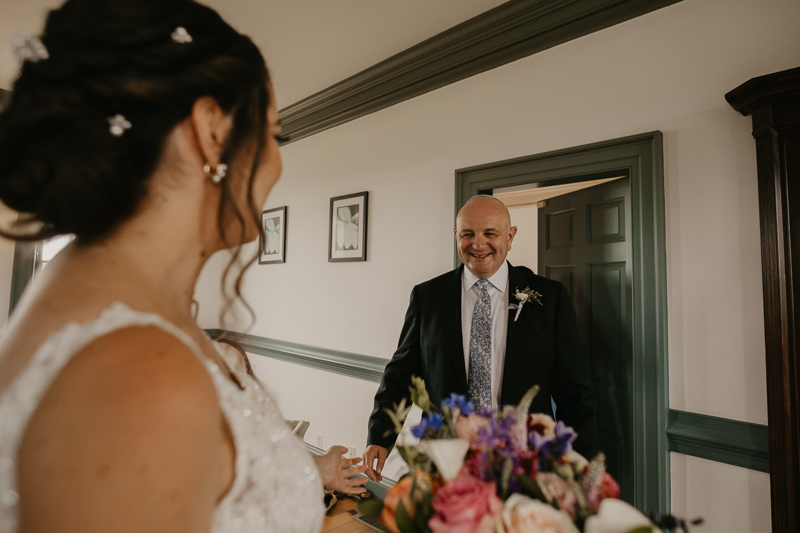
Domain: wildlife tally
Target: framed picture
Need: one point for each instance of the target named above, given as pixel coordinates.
(347, 238)
(273, 236)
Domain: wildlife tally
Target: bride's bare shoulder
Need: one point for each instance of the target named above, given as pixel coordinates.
(131, 422)
(131, 368)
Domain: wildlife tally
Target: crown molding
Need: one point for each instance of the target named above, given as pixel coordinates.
(511, 31)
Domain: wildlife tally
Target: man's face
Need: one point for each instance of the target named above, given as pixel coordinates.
(483, 236)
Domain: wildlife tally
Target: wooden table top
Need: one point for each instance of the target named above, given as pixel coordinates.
(340, 520)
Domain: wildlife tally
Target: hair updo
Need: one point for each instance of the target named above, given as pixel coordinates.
(59, 163)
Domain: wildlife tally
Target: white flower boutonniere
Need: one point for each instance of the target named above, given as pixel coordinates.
(524, 296)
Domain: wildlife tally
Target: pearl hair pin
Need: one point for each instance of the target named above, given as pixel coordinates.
(118, 125)
(26, 47)
(180, 35)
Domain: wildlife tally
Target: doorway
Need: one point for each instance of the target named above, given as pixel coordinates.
(633, 386)
(577, 234)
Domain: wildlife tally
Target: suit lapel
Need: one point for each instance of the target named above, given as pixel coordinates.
(449, 301)
(516, 332)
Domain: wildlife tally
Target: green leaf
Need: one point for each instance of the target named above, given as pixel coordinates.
(525, 404)
(371, 507)
(643, 529)
(505, 477)
(424, 513)
(404, 521)
(531, 488)
(419, 395)
(398, 415)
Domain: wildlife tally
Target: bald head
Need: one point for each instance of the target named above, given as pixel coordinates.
(484, 234)
(484, 203)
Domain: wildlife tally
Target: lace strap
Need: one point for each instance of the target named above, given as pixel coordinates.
(24, 394)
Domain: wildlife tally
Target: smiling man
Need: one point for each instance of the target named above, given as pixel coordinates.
(463, 333)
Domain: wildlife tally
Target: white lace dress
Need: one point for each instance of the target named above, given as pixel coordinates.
(276, 487)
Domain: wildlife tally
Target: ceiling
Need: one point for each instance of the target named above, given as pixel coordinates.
(309, 44)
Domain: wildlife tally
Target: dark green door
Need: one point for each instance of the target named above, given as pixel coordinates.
(584, 243)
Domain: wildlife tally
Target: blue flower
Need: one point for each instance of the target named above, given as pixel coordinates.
(457, 400)
(435, 421)
(432, 421)
(420, 430)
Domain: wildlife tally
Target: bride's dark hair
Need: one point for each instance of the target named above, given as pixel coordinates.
(60, 166)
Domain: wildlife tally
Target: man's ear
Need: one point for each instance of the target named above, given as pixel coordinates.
(512, 232)
(212, 126)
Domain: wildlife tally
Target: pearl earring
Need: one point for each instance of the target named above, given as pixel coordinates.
(219, 172)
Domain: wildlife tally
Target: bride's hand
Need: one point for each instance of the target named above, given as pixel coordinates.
(337, 471)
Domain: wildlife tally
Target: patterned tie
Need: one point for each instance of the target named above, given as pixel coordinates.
(480, 350)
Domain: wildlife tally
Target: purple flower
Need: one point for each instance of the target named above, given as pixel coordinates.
(551, 448)
(538, 441)
(498, 436)
(457, 400)
(565, 436)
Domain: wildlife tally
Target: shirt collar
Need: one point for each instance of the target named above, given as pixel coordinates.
(499, 280)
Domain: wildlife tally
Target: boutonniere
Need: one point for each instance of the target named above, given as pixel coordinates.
(524, 296)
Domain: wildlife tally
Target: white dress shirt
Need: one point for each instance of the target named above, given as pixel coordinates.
(498, 285)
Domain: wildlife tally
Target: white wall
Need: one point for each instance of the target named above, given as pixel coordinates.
(729, 498)
(525, 248)
(668, 71)
(207, 291)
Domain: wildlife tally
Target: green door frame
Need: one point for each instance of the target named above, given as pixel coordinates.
(640, 157)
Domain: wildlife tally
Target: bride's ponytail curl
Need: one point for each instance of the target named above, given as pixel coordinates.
(62, 164)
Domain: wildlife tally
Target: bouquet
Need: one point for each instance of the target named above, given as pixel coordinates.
(499, 471)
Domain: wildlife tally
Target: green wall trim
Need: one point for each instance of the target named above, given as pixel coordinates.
(640, 157)
(376, 489)
(511, 31)
(357, 366)
(719, 439)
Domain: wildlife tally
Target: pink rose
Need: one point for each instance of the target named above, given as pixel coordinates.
(608, 487)
(558, 490)
(541, 424)
(524, 515)
(465, 505)
(468, 426)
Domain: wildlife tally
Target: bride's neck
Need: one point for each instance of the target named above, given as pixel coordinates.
(157, 254)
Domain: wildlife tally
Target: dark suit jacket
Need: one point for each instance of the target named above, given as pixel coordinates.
(542, 347)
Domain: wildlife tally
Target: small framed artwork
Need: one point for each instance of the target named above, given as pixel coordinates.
(347, 238)
(273, 236)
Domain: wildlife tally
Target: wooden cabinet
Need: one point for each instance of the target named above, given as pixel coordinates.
(774, 103)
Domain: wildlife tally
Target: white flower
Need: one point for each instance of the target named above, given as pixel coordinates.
(615, 516)
(524, 515)
(272, 228)
(448, 454)
(578, 461)
(521, 296)
(347, 229)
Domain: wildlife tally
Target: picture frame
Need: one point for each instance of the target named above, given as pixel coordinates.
(272, 241)
(347, 231)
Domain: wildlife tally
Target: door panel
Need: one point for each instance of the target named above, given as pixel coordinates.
(559, 229)
(583, 244)
(561, 274)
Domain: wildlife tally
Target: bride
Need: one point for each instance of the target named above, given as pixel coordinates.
(148, 129)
